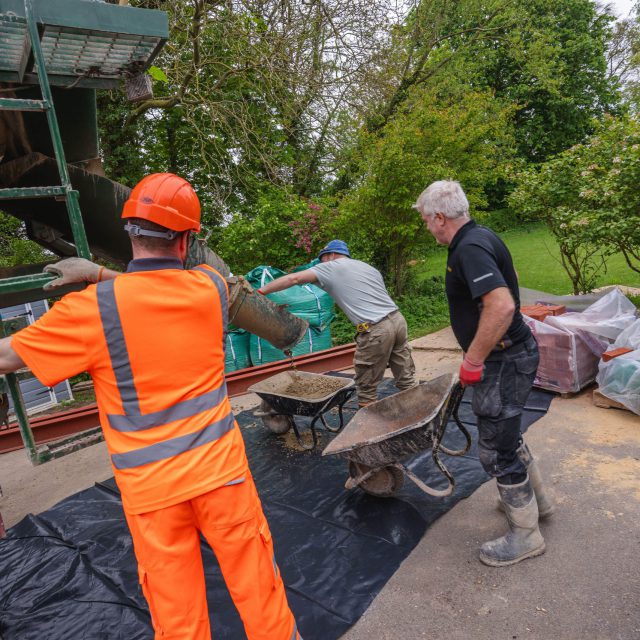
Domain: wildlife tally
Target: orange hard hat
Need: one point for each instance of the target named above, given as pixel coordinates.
(167, 200)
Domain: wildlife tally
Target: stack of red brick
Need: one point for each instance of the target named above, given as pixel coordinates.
(614, 353)
(566, 361)
(540, 311)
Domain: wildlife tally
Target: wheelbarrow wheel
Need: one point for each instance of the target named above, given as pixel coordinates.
(384, 483)
(278, 424)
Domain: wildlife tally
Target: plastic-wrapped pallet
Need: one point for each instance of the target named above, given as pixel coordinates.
(605, 319)
(630, 337)
(572, 344)
(567, 359)
(619, 380)
(315, 339)
(237, 353)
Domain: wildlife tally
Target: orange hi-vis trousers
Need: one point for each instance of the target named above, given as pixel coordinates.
(167, 547)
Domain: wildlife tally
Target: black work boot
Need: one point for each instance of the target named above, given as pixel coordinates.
(545, 504)
(524, 539)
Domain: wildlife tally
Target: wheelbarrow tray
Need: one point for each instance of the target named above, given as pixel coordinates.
(389, 430)
(273, 390)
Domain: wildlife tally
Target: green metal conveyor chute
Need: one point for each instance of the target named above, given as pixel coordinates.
(85, 42)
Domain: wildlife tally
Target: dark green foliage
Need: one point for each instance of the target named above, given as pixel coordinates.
(15, 247)
(549, 59)
(120, 143)
(461, 134)
(424, 306)
(283, 230)
(500, 219)
(588, 198)
(342, 331)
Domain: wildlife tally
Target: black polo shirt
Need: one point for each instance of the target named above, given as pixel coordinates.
(478, 263)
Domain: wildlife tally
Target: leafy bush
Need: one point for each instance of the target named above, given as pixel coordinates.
(424, 306)
(464, 135)
(499, 220)
(342, 331)
(15, 247)
(284, 230)
(588, 197)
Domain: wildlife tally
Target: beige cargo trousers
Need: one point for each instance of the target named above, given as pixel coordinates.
(384, 344)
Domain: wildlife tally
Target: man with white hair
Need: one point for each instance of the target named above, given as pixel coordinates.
(500, 361)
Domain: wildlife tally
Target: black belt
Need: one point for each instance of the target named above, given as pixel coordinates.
(363, 327)
(506, 346)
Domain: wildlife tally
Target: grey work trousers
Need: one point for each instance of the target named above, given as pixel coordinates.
(498, 401)
(385, 344)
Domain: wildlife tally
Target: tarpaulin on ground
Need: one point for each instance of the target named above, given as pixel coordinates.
(70, 572)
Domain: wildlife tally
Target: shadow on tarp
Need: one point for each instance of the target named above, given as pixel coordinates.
(70, 572)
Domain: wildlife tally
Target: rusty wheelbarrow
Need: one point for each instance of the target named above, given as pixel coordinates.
(388, 431)
(300, 393)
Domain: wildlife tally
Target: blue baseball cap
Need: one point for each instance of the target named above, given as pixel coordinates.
(335, 246)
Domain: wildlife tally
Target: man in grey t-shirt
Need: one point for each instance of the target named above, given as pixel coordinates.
(358, 289)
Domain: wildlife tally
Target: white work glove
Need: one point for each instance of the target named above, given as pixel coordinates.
(70, 271)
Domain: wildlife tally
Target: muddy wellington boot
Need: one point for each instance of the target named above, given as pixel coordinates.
(524, 539)
(545, 504)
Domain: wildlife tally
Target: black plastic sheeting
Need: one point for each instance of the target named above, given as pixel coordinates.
(70, 573)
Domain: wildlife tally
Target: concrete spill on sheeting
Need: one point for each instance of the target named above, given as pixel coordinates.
(607, 472)
(291, 442)
(615, 431)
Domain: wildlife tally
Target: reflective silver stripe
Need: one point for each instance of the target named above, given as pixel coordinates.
(174, 446)
(232, 482)
(275, 566)
(295, 635)
(486, 275)
(178, 411)
(112, 327)
(224, 299)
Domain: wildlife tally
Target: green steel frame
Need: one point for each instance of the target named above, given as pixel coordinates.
(36, 454)
(78, 38)
(9, 384)
(65, 190)
(125, 39)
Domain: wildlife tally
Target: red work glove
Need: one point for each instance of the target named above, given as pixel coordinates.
(470, 371)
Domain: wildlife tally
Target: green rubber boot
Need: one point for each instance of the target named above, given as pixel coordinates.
(545, 504)
(524, 539)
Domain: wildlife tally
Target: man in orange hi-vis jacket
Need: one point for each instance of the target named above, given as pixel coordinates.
(153, 341)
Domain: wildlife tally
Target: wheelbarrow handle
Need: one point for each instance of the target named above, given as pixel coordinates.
(348, 392)
(453, 405)
(436, 493)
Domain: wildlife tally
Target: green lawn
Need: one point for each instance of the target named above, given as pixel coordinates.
(535, 255)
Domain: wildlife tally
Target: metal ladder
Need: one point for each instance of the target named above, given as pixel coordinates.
(64, 192)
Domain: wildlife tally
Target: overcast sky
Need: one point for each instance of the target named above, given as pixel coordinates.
(621, 7)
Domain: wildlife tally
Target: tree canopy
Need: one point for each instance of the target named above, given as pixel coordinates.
(297, 121)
